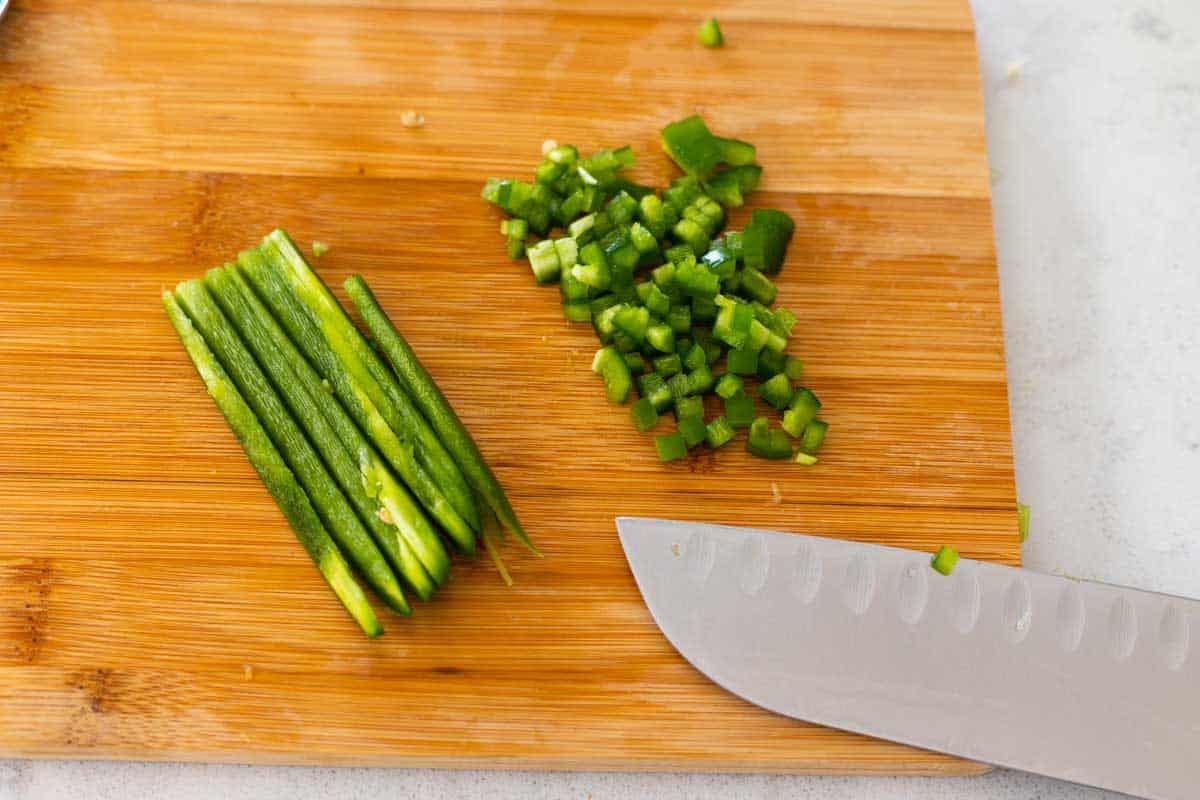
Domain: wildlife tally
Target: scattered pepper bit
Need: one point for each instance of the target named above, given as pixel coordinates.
(944, 560)
(709, 33)
(549, 145)
(776, 495)
(319, 249)
(807, 459)
(1022, 520)
(412, 119)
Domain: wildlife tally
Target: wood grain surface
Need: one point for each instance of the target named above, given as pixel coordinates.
(154, 604)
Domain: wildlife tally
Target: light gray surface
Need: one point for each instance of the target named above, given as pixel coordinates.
(1094, 143)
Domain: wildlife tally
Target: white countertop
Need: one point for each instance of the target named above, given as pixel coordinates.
(1093, 122)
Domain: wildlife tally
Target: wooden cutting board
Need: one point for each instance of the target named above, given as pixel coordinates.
(154, 604)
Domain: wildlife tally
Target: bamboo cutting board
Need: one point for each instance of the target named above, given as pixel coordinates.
(154, 604)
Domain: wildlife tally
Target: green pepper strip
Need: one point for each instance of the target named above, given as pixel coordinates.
(415, 379)
(380, 382)
(335, 511)
(269, 464)
(348, 386)
(389, 512)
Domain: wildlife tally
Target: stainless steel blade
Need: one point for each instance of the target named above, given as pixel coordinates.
(1082, 681)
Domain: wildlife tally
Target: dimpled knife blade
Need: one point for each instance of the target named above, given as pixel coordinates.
(1082, 681)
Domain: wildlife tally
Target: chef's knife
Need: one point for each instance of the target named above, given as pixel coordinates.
(1083, 681)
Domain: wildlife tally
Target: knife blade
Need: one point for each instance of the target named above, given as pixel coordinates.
(1083, 681)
